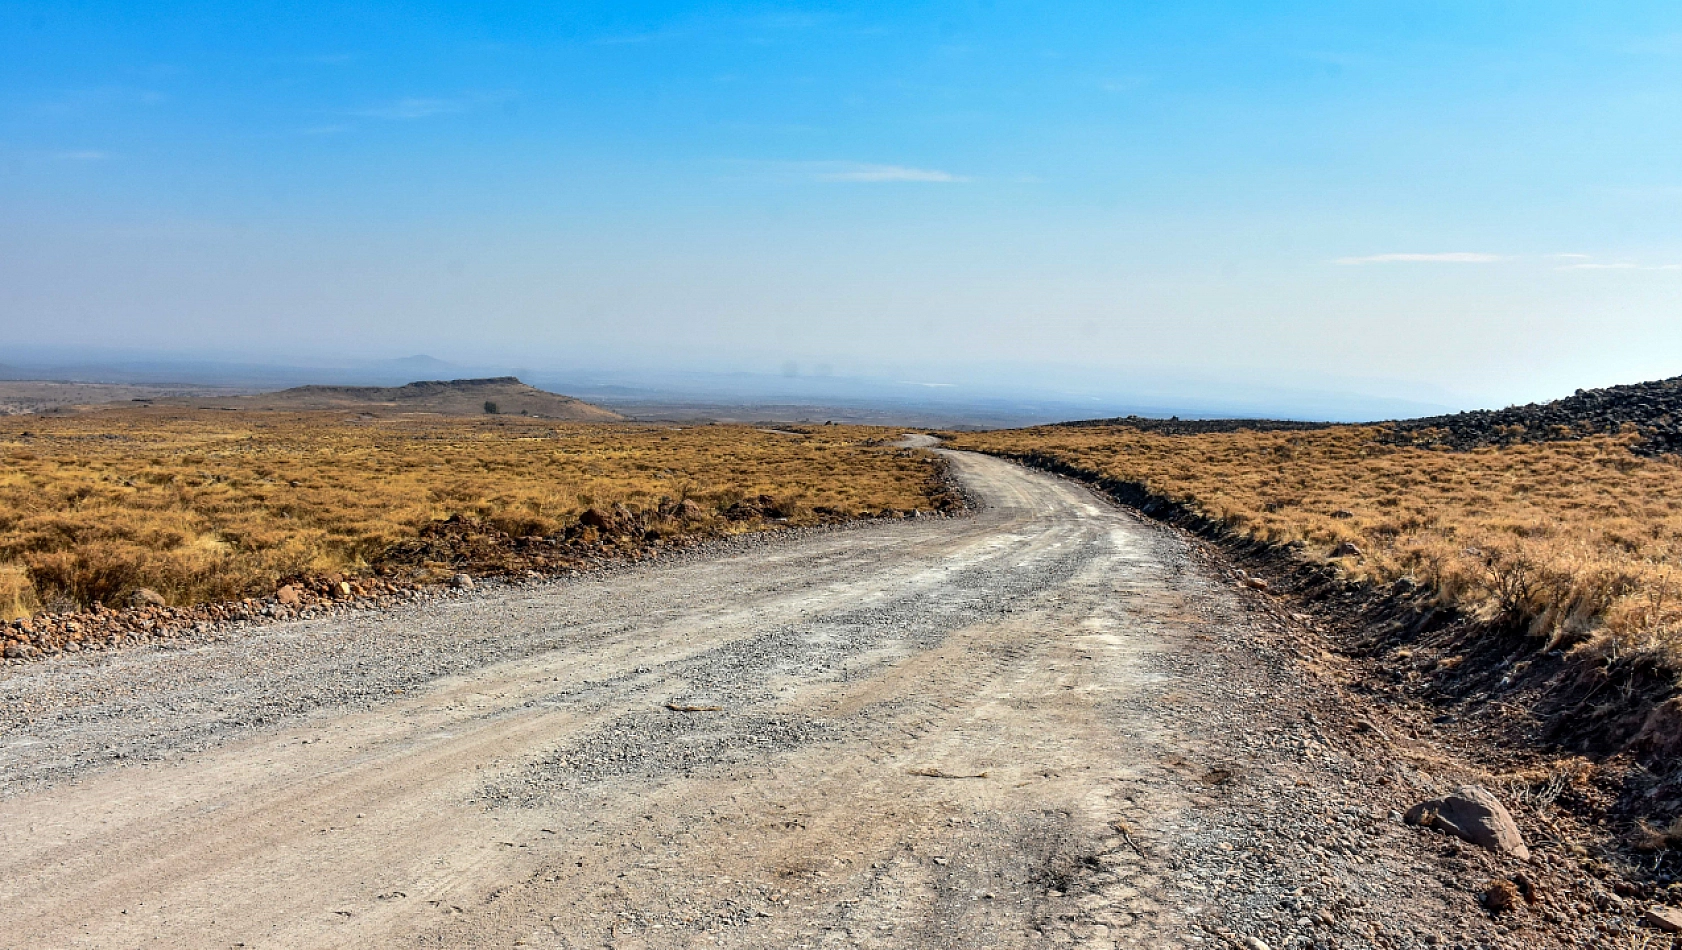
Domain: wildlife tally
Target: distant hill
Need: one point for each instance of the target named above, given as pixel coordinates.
(420, 364)
(455, 397)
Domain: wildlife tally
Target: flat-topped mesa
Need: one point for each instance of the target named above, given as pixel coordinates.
(496, 395)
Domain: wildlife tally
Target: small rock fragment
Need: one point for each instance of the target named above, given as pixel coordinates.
(1668, 919)
(461, 582)
(1501, 896)
(288, 596)
(1346, 549)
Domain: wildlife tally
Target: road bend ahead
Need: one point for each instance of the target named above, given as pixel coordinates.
(919, 734)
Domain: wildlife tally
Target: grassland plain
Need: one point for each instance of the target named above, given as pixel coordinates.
(207, 506)
(1580, 540)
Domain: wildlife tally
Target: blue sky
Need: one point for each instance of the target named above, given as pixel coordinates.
(1481, 199)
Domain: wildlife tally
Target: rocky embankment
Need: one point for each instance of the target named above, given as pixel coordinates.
(1653, 409)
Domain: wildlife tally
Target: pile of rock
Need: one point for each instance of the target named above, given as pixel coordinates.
(760, 506)
(1654, 410)
(149, 619)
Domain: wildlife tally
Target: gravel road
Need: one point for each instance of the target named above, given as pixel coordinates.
(1045, 723)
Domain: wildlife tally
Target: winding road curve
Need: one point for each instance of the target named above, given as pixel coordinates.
(918, 734)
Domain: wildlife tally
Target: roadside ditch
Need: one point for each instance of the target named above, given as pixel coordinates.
(1586, 738)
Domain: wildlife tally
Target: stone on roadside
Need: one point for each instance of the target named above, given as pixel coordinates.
(288, 596)
(461, 582)
(145, 597)
(1667, 919)
(1501, 896)
(1473, 814)
(1346, 549)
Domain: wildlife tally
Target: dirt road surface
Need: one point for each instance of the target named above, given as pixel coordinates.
(1045, 723)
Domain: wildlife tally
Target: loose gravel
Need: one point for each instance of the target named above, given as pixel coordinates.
(1050, 723)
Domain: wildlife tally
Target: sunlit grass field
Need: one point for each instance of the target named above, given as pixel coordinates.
(1579, 540)
(202, 505)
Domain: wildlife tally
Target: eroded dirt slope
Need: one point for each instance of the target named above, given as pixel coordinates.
(1047, 723)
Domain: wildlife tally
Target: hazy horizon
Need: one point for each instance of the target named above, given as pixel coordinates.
(1449, 206)
(990, 394)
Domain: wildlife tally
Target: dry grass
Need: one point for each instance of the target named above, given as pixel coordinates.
(1580, 540)
(205, 506)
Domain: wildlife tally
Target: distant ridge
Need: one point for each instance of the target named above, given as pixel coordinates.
(454, 397)
(1652, 409)
(1178, 426)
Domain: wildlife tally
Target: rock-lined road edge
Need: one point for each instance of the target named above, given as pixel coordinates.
(1048, 723)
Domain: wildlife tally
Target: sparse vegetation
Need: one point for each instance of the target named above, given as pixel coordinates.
(204, 506)
(1578, 540)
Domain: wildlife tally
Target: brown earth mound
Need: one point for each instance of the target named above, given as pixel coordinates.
(504, 395)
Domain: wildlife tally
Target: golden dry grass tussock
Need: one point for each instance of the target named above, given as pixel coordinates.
(203, 505)
(1580, 540)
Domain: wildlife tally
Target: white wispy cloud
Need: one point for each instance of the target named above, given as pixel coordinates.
(1620, 265)
(414, 108)
(101, 98)
(634, 39)
(1452, 257)
(1123, 84)
(836, 171)
(420, 107)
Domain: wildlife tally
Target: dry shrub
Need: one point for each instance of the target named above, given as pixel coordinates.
(17, 593)
(1575, 540)
(203, 505)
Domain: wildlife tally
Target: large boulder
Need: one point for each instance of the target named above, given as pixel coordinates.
(596, 518)
(1473, 814)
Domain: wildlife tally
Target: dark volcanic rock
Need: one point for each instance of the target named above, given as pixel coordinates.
(1652, 409)
(1177, 426)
